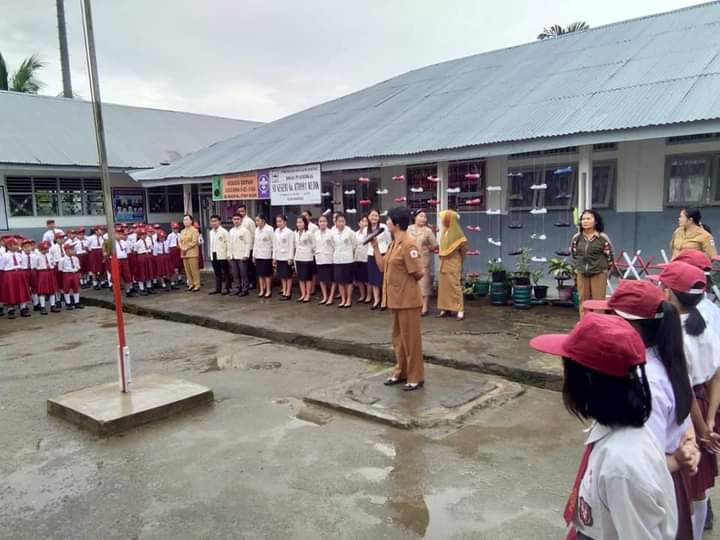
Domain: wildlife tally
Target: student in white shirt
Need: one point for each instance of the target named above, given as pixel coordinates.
(241, 241)
(324, 250)
(283, 252)
(163, 266)
(304, 258)
(69, 267)
(623, 489)
(307, 214)
(263, 256)
(122, 252)
(95, 256)
(361, 264)
(14, 292)
(49, 234)
(219, 252)
(250, 225)
(657, 321)
(45, 282)
(27, 256)
(143, 262)
(344, 244)
(375, 275)
(173, 245)
(684, 286)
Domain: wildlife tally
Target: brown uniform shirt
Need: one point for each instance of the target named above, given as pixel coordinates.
(188, 237)
(403, 268)
(694, 238)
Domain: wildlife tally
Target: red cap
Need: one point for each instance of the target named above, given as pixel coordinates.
(44, 245)
(174, 225)
(694, 257)
(12, 241)
(605, 343)
(157, 226)
(27, 241)
(72, 231)
(683, 277)
(59, 234)
(635, 300)
(161, 234)
(81, 229)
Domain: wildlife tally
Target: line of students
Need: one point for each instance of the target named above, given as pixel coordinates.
(648, 375)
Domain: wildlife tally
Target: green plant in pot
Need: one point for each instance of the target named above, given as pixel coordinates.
(540, 291)
(521, 277)
(469, 284)
(482, 284)
(497, 270)
(562, 270)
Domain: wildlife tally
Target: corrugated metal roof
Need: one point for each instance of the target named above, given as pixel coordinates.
(653, 71)
(43, 130)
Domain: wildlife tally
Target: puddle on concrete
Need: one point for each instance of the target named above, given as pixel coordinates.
(371, 474)
(238, 360)
(385, 449)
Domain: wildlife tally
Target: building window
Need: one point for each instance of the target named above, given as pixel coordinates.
(604, 147)
(603, 183)
(700, 137)
(417, 178)
(689, 179)
(560, 181)
(470, 188)
(541, 153)
(48, 196)
(166, 200)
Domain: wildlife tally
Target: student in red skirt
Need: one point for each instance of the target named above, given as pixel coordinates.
(95, 257)
(623, 489)
(122, 250)
(657, 321)
(27, 246)
(45, 282)
(69, 267)
(172, 243)
(82, 254)
(163, 270)
(143, 262)
(684, 286)
(15, 293)
(57, 252)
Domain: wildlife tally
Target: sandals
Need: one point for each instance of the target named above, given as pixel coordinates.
(409, 387)
(393, 381)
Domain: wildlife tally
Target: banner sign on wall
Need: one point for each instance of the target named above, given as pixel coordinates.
(241, 186)
(295, 185)
(128, 205)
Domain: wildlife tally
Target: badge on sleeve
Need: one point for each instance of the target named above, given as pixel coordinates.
(414, 254)
(585, 512)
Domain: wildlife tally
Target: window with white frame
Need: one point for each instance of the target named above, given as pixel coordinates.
(166, 200)
(52, 196)
(603, 183)
(692, 179)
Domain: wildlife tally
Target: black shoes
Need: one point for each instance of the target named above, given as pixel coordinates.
(55, 309)
(213, 292)
(25, 312)
(43, 311)
(393, 381)
(411, 387)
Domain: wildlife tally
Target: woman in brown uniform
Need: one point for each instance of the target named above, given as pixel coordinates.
(692, 234)
(190, 253)
(402, 269)
(453, 246)
(424, 238)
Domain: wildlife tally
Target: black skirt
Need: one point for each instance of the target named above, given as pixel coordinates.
(361, 272)
(344, 273)
(304, 270)
(325, 273)
(375, 276)
(284, 270)
(263, 267)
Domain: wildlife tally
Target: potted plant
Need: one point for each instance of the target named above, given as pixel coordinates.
(562, 270)
(540, 291)
(482, 284)
(521, 277)
(469, 285)
(497, 270)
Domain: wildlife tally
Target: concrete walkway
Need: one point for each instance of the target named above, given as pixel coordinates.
(491, 339)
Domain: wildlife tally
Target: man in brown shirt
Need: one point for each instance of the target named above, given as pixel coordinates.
(403, 269)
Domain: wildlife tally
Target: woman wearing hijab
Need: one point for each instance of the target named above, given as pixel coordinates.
(453, 246)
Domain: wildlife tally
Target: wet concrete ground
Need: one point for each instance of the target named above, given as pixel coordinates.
(258, 463)
(491, 339)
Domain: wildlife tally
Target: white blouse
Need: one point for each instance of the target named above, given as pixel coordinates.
(283, 244)
(383, 240)
(263, 245)
(241, 241)
(344, 244)
(43, 262)
(701, 354)
(324, 247)
(143, 246)
(361, 250)
(304, 246)
(69, 264)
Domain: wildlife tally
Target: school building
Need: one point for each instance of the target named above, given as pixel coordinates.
(49, 164)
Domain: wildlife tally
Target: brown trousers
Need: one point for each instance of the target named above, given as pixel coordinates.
(407, 344)
(192, 271)
(591, 287)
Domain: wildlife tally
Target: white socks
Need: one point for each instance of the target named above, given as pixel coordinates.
(698, 518)
(41, 299)
(76, 297)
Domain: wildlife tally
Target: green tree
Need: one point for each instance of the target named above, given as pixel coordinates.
(23, 80)
(556, 30)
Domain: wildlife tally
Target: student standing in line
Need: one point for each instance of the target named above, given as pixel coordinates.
(307, 214)
(623, 489)
(684, 286)
(283, 251)
(82, 253)
(143, 262)
(70, 269)
(173, 245)
(263, 256)
(190, 253)
(26, 246)
(361, 264)
(95, 257)
(161, 256)
(707, 308)
(304, 257)
(375, 277)
(49, 234)
(240, 250)
(657, 322)
(324, 250)
(122, 249)
(45, 278)
(219, 255)
(344, 244)
(248, 223)
(57, 252)
(424, 238)
(14, 292)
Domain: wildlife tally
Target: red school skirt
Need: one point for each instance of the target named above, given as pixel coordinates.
(45, 282)
(71, 282)
(175, 259)
(83, 258)
(29, 276)
(163, 265)
(125, 275)
(708, 467)
(683, 499)
(143, 267)
(95, 261)
(14, 288)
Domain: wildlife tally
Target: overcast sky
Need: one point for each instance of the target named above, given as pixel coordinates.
(265, 59)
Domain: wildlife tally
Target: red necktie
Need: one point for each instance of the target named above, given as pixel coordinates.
(14, 261)
(28, 262)
(571, 506)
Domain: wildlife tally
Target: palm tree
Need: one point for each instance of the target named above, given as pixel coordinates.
(556, 30)
(23, 80)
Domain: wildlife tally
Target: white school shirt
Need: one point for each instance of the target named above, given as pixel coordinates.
(324, 247)
(69, 264)
(121, 249)
(95, 242)
(361, 250)
(283, 244)
(711, 313)
(240, 243)
(143, 245)
(160, 248)
(383, 241)
(663, 421)
(57, 252)
(312, 227)
(627, 492)
(78, 244)
(172, 239)
(12, 260)
(27, 260)
(263, 244)
(49, 235)
(43, 261)
(344, 244)
(304, 246)
(249, 224)
(701, 353)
